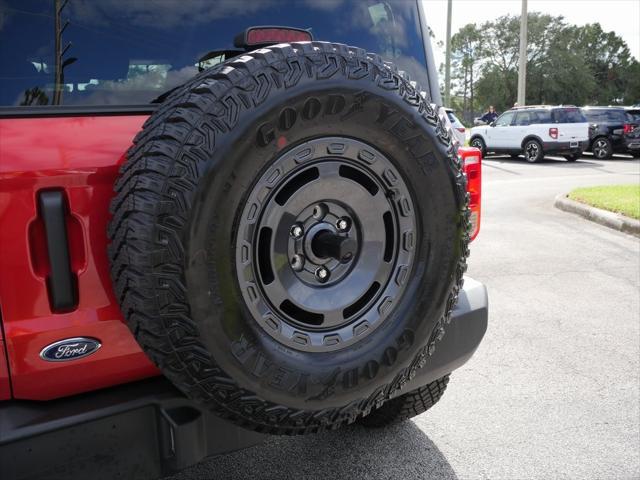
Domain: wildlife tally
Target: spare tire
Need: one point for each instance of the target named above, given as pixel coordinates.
(289, 236)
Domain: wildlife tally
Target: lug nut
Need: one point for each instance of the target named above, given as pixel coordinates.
(319, 211)
(343, 224)
(322, 274)
(297, 262)
(297, 231)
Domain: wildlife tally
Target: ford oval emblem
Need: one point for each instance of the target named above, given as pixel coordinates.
(70, 349)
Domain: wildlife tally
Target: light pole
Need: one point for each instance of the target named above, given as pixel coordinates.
(522, 63)
(447, 61)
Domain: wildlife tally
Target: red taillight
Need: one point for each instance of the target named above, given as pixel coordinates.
(461, 129)
(553, 133)
(256, 36)
(628, 128)
(471, 159)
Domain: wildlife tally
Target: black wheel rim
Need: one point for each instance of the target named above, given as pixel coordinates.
(532, 151)
(325, 244)
(477, 143)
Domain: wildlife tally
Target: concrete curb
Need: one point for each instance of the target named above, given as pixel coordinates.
(603, 217)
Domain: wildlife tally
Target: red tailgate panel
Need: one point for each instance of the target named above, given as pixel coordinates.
(80, 155)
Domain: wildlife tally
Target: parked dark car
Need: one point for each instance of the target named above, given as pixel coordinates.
(632, 142)
(608, 127)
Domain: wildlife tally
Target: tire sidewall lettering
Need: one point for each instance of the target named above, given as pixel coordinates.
(332, 106)
(248, 354)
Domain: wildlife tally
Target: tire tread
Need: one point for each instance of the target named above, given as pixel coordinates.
(407, 405)
(152, 203)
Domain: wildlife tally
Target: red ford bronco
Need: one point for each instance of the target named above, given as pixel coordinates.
(218, 223)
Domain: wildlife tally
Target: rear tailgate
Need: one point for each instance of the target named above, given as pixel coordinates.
(572, 125)
(573, 132)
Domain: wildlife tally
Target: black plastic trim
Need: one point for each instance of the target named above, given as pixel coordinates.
(463, 335)
(552, 148)
(76, 111)
(532, 137)
(61, 280)
(142, 430)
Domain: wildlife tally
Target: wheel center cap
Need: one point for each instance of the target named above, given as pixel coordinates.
(326, 244)
(323, 244)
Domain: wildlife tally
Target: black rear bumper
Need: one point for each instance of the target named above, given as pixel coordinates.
(631, 145)
(463, 335)
(149, 429)
(143, 430)
(564, 148)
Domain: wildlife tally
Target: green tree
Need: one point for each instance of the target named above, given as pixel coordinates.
(466, 61)
(566, 64)
(610, 62)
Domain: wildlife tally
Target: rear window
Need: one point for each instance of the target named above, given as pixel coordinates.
(117, 52)
(604, 115)
(567, 115)
(453, 119)
(633, 116)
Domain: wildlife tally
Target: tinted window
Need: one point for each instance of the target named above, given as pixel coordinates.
(633, 116)
(523, 118)
(505, 119)
(532, 117)
(453, 119)
(540, 116)
(131, 51)
(604, 115)
(568, 115)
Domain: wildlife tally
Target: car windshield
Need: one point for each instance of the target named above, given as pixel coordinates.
(115, 52)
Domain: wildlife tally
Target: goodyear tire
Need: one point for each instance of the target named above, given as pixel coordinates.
(407, 405)
(289, 236)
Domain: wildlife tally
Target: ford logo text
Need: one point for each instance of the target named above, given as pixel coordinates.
(70, 349)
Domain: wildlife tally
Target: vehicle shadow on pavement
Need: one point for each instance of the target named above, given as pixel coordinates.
(401, 451)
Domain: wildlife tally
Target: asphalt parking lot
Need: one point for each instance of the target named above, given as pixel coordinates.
(554, 389)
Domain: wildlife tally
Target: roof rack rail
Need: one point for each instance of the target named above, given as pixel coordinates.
(606, 106)
(524, 107)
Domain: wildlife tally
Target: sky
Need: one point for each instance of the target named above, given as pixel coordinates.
(620, 16)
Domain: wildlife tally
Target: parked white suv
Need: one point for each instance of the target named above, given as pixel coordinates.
(535, 132)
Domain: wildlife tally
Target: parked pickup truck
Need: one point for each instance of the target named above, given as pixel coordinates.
(216, 223)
